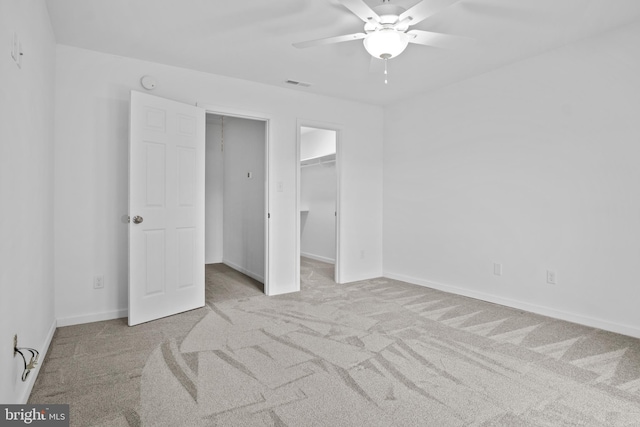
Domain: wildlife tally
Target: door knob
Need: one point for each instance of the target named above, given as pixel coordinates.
(137, 219)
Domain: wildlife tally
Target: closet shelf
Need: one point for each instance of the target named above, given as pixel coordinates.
(330, 158)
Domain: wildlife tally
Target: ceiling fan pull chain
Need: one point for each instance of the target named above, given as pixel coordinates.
(386, 73)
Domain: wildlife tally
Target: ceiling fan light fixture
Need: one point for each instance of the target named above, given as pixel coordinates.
(386, 43)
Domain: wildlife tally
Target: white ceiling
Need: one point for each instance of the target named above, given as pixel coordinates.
(251, 39)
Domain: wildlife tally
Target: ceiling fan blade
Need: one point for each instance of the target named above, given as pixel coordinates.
(361, 10)
(424, 9)
(330, 40)
(444, 41)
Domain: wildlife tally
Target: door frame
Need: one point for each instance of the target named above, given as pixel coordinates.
(251, 115)
(338, 129)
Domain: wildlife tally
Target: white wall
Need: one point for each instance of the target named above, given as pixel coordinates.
(244, 198)
(26, 191)
(318, 184)
(534, 166)
(91, 181)
(214, 196)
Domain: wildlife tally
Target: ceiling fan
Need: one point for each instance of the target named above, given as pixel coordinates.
(386, 29)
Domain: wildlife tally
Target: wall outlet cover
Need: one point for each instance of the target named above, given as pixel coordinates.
(98, 281)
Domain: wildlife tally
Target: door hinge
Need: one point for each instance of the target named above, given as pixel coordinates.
(268, 216)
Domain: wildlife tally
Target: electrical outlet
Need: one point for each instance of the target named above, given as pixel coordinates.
(98, 281)
(552, 278)
(497, 269)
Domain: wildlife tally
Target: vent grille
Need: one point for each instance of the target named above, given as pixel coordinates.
(297, 83)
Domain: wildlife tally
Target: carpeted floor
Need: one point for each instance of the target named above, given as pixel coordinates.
(372, 353)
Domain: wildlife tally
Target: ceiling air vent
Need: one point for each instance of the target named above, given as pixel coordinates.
(297, 83)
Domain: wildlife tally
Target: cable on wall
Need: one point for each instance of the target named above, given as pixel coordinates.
(33, 361)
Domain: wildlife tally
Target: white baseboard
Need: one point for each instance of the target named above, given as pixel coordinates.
(282, 293)
(31, 380)
(93, 317)
(545, 311)
(243, 270)
(344, 278)
(318, 257)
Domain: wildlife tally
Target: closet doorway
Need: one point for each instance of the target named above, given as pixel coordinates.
(235, 194)
(318, 199)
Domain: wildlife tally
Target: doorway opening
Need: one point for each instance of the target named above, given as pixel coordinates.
(318, 237)
(235, 200)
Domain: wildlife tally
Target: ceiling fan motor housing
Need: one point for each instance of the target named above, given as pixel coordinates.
(388, 14)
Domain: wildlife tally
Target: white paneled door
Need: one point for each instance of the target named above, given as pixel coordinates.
(166, 208)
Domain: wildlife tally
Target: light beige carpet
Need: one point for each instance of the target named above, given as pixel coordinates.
(372, 353)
